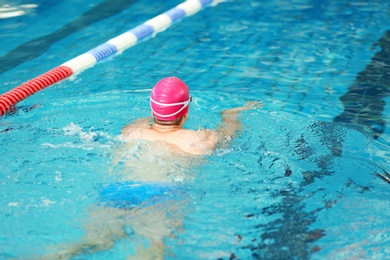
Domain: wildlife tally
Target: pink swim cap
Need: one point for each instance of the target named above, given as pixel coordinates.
(169, 99)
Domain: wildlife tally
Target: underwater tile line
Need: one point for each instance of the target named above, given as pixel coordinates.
(118, 44)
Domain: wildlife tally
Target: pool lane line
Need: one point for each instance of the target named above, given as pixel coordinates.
(364, 103)
(120, 43)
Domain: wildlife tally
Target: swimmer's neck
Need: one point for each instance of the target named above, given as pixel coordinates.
(165, 128)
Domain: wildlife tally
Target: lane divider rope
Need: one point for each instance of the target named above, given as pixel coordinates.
(120, 43)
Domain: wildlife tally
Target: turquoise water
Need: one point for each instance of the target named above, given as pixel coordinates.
(293, 185)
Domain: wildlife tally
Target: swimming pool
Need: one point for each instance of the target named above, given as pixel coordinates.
(294, 184)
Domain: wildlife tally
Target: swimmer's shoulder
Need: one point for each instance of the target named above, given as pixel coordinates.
(136, 128)
(200, 142)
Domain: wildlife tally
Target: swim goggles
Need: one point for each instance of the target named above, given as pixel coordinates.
(184, 104)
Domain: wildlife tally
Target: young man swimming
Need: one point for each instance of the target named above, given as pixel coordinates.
(169, 101)
(156, 154)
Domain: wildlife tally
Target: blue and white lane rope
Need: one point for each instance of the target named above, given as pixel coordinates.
(133, 36)
(118, 44)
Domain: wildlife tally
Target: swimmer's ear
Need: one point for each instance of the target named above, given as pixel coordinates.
(183, 119)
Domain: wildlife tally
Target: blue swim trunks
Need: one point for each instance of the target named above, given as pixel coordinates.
(131, 194)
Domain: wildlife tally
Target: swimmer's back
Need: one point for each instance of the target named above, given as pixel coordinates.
(199, 142)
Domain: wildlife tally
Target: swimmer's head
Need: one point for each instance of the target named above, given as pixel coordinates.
(170, 99)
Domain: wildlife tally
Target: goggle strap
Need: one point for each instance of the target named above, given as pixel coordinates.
(185, 104)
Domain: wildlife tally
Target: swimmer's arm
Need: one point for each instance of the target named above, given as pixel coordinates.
(138, 124)
(231, 125)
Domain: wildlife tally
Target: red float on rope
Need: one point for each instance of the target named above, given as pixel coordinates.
(9, 99)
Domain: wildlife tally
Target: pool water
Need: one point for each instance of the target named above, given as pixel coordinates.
(297, 183)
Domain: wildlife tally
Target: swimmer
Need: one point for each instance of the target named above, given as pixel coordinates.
(170, 101)
(156, 155)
